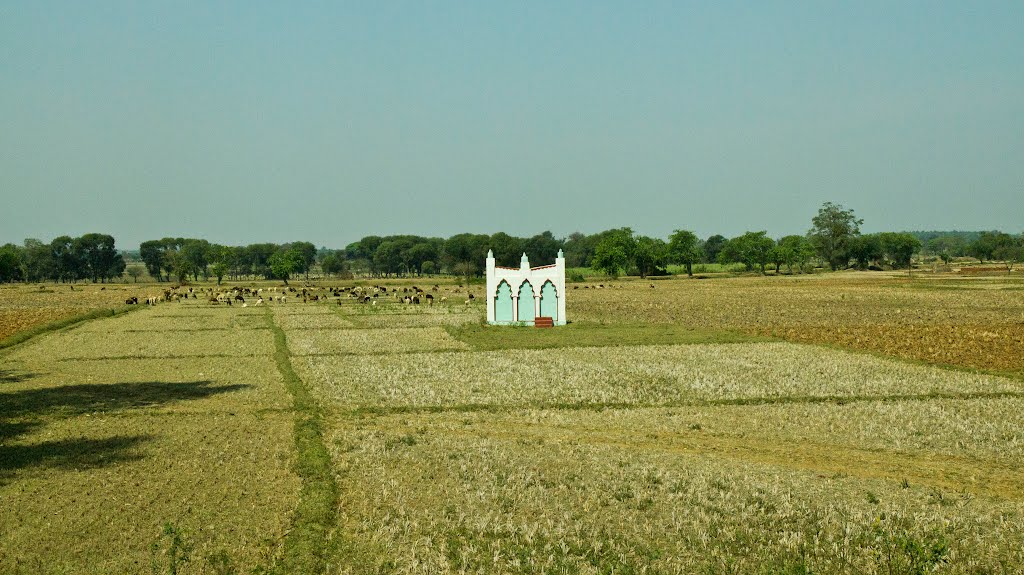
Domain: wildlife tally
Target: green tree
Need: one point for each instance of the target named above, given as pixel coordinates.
(542, 248)
(465, 249)
(116, 269)
(175, 263)
(152, 254)
(506, 249)
(713, 246)
(195, 257)
(649, 254)
(465, 269)
(684, 248)
(832, 234)
(307, 251)
(10, 263)
(284, 263)
(37, 261)
(899, 247)
(866, 249)
(614, 252)
(752, 249)
(99, 256)
(419, 253)
(219, 269)
(985, 246)
(947, 247)
(777, 257)
(579, 250)
(332, 264)
(172, 262)
(135, 271)
(794, 251)
(388, 258)
(364, 248)
(66, 265)
(220, 260)
(256, 258)
(1009, 250)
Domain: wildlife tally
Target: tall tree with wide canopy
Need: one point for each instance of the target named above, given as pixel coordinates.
(832, 234)
(713, 246)
(751, 249)
(900, 247)
(649, 254)
(285, 262)
(1009, 250)
(99, 256)
(684, 248)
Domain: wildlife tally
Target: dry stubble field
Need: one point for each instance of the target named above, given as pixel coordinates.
(847, 423)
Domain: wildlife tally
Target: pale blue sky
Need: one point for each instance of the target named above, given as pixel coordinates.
(243, 122)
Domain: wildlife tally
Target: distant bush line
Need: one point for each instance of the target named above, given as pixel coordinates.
(834, 241)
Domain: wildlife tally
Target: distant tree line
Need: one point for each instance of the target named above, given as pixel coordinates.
(65, 259)
(182, 259)
(833, 241)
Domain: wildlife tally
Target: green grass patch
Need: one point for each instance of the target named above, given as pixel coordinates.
(493, 337)
(708, 268)
(307, 546)
(27, 334)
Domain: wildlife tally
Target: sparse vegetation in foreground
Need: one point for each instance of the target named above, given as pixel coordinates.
(839, 423)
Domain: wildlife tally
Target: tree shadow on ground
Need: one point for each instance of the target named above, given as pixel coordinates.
(23, 411)
(11, 429)
(71, 453)
(90, 398)
(13, 376)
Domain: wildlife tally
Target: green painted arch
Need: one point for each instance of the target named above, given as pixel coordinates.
(526, 309)
(549, 301)
(503, 302)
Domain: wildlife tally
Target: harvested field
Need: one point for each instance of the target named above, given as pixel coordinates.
(544, 491)
(727, 425)
(26, 306)
(976, 322)
(98, 455)
(644, 375)
(370, 342)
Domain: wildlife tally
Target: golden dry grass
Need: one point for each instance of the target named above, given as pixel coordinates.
(26, 306)
(968, 322)
(100, 453)
(653, 435)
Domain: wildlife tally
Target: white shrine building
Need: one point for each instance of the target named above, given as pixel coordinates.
(524, 294)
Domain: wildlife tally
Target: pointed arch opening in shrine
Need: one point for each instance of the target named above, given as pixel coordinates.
(527, 312)
(549, 300)
(503, 302)
(519, 296)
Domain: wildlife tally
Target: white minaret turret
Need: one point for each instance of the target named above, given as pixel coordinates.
(560, 286)
(492, 285)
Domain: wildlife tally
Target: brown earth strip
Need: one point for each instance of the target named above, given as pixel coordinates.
(989, 347)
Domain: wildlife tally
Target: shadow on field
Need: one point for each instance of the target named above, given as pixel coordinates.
(23, 411)
(70, 453)
(91, 398)
(12, 376)
(9, 430)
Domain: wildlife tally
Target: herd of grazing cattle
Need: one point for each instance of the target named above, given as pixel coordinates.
(282, 294)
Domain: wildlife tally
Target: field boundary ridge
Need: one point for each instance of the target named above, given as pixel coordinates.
(307, 545)
(37, 330)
